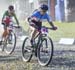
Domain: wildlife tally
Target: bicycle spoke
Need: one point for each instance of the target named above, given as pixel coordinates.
(45, 52)
(11, 43)
(26, 50)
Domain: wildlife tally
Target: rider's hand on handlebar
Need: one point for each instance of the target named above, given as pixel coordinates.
(54, 28)
(18, 26)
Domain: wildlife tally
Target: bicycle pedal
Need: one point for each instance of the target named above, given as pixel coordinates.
(28, 50)
(46, 51)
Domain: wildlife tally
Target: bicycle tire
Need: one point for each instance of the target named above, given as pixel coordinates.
(39, 54)
(28, 49)
(10, 50)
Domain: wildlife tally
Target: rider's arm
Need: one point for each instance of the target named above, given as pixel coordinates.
(16, 19)
(50, 21)
(35, 16)
(4, 16)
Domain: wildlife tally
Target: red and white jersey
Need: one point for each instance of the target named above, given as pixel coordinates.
(7, 20)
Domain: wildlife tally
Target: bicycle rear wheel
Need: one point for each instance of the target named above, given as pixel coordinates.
(26, 50)
(10, 43)
(45, 51)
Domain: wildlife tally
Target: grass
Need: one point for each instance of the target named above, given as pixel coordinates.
(64, 59)
(65, 30)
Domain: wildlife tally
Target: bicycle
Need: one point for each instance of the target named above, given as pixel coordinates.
(9, 43)
(43, 48)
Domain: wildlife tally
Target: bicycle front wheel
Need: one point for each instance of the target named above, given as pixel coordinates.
(10, 43)
(45, 51)
(26, 50)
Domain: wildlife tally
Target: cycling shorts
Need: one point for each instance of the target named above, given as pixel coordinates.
(36, 25)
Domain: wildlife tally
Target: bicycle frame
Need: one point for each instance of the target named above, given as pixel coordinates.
(37, 47)
(42, 33)
(8, 40)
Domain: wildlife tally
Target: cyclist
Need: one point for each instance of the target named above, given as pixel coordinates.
(7, 21)
(35, 21)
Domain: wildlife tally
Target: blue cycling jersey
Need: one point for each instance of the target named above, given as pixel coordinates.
(38, 15)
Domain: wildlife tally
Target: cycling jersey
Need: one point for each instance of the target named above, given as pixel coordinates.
(6, 17)
(40, 17)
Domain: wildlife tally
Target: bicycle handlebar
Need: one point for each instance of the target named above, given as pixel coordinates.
(49, 28)
(16, 26)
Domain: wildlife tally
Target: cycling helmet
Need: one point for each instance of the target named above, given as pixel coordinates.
(11, 7)
(44, 7)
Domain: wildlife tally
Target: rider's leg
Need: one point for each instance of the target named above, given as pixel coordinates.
(5, 33)
(36, 33)
(34, 30)
(33, 34)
